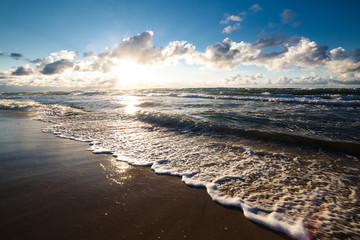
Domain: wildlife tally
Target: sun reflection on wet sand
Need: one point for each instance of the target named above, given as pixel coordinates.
(117, 171)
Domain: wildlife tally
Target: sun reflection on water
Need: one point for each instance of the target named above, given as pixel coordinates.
(131, 104)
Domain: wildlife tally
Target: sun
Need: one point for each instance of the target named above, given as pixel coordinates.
(132, 75)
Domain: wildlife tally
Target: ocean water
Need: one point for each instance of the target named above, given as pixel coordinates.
(289, 158)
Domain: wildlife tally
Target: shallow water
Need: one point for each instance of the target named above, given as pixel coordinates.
(288, 157)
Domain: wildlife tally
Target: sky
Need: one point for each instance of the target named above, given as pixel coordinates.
(89, 44)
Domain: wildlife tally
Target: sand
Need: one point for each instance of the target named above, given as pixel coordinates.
(52, 188)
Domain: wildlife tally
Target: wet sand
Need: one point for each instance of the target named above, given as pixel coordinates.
(51, 188)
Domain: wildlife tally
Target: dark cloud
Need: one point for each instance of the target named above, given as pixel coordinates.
(57, 67)
(263, 56)
(271, 41)
(287, 16)
(38, 60)
(296, 24)
(341, 54)
(88, 54)
(223, 54)
(351, 82)
(22, 71)
(344, 61)
(16, 55)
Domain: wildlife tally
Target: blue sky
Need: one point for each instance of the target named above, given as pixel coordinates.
(179, 44)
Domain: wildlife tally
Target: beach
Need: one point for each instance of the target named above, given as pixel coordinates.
(52, 188)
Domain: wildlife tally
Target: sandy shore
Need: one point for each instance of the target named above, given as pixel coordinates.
(52, 188)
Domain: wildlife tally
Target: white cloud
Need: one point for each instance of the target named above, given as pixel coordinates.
(255, 8)
(233, 18)
(140, 49)
(64, 54)
(314, 80)
(244, 80)
(231, 28)
(177, 49)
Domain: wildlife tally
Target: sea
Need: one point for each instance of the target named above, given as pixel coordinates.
(288, 158)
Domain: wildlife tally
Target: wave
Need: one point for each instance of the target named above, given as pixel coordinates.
(42, 111)
(181, 123)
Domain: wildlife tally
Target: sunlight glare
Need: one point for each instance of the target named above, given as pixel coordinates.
(132, 75)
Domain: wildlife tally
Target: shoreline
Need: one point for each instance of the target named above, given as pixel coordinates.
(54, 189)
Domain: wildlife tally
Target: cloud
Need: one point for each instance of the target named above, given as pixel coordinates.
(23, 71)
(232, 18)
(57, 67)
(274, 52)
(314, 80)
(255, 8)
(344, 61)
(283, 81)
(99, 64)
(228, 54)
(38, 60)
(230, 29)
(272, 41)
(271, 25)
(350, 82)
(88, 54)
(302, 54)
(16, 55)
(1, 53)
(140, 49)
(297, 51)
(287, 16)
(244, 80)
(296, 24)
(178, 49)
(64, 54)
